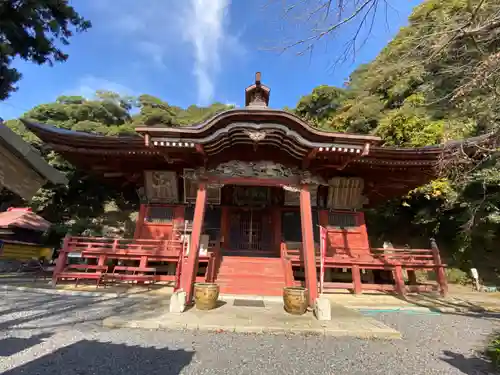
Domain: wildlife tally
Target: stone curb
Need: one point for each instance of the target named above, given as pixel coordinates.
(378, 333)
(71, 292)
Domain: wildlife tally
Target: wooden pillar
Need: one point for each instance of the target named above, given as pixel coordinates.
(61, 261)
(400, 281)
(277, 235)
(190, 268)
(102, 260)
(139, 224)
(224, 228)
(356, 279)
(439, 267)
(308, 251)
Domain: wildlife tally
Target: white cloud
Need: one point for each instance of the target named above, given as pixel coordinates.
(205, 22)
(162, 29)
(88, 85)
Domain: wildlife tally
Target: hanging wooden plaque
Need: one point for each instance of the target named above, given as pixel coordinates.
(191, 188)
(161, 186)
(345, 193)
(292, 196)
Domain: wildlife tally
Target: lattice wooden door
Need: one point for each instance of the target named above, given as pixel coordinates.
(250, 230)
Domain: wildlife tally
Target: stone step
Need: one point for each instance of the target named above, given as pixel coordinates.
(253, 260)
(265, 271)
(251, 281)
(251, 290)
(251, 278)
(261, 284)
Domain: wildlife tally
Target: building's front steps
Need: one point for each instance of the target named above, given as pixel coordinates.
(251, 276)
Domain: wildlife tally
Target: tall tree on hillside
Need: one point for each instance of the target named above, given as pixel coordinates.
(86, 204)
(34, 30)
(320, 19)
(466, 41)
(436, 81)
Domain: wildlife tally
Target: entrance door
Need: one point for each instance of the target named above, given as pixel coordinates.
(250, 230)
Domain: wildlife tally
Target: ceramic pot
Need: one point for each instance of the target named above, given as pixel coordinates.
(206, 295)
(295, 300)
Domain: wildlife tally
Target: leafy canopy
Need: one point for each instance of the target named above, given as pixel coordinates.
(89, 205)
(34, 30)
(437, 80)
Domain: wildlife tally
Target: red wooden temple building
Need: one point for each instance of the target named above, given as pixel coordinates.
(238, 200)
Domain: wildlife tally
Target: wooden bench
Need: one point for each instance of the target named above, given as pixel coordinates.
(83, 271)
(126, 273)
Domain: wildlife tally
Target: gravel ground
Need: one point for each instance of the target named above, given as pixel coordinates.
(57, 334)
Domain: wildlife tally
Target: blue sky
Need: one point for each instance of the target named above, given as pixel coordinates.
(196, 52)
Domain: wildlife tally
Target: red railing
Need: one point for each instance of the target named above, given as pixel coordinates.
(372, 256)
(287, 265)
(178, 271)
(392, 259)
(122, 247)
(142, 250)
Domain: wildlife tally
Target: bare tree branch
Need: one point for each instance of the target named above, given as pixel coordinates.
(327, 17)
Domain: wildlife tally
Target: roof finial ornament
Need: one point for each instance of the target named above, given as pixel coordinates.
(257, 78)
(257, 95)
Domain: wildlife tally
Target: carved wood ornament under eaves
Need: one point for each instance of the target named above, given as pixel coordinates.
(256, 136)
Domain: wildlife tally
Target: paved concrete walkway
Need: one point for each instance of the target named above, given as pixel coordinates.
(27, 283)
(461, 299)
(271, 318)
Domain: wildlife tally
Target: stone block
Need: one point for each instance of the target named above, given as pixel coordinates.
(178, 302)
(322, 309)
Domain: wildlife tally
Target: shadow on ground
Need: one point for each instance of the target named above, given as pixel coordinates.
(94, 357)
(38, 310)
(467, 365)
(31, 280)
(12, 345)
(450, 305)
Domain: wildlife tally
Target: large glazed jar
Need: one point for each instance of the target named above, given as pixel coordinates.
(295, 300)
(206, 295)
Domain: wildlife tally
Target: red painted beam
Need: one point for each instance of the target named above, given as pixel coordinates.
(252, 181)
(308, 244)
(188, 277)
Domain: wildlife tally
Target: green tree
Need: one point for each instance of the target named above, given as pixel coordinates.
(436, 81)
(319, 107)
(34, 30)
(87, 204)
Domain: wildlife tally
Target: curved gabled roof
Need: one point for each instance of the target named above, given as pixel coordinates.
(232, 127)
(260, 115)
(53, 135)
